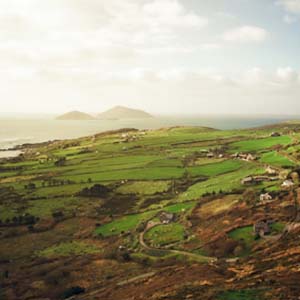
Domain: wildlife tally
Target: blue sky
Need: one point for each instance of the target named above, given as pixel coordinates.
(165, 56)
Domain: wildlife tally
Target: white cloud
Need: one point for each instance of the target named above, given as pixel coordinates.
(74, 32)
(287, 75)
(246, 34)
(171, 13)
(289, 19)
(292, 6)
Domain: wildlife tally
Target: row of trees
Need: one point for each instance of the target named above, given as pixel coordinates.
(26, 219)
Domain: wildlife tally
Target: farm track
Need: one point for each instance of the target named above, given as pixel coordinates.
(170, 251)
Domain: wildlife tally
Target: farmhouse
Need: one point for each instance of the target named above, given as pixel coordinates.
(257, 179)
(287, 184)
(265, 197)
(271, 171)
(166, 217)
(247, 180)
(244, 156)
(262, 228)
(275, 134)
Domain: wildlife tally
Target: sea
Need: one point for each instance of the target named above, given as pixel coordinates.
(16, 131)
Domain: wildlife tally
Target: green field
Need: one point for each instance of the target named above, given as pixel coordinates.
(144, 187)
(130, 222)
(276, 159)
(215, 169)
(260, 144)
(165, 234)
(225, 183)
(69, 249)
(244, 234)
(87, 213)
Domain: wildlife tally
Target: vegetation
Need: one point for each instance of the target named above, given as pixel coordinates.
(69, 249)
(165, 234)
(241, 295)
(260, 144)
(105, 199)
(276, 159)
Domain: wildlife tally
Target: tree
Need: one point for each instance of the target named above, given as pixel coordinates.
(249, 196)
(75, 290)
(97, 190)
(61, 162)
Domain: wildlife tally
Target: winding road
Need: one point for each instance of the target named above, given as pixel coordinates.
(193, 256)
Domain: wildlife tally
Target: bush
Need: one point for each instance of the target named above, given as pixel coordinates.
(97, 190)
(72, 291)
(61, 162)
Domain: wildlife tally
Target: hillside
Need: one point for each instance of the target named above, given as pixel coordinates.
(75, 116)
(171, 214)
(121, 112)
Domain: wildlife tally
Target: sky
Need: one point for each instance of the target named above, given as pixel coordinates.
(163, 56)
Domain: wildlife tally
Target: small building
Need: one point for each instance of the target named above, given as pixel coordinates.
(247, 180)
(262, 228)
(124, 135)
(250, 157)
(275, 134)
(287, 184)
(166, 217)
(210, 155)
(265, 197)
(271, 171)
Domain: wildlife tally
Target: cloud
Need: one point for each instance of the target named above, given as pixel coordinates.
(81, 31)
(291, 6)
(289, 19)
(246, 34)
(288, 75)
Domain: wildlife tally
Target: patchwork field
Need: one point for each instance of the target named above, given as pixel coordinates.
(128, 214)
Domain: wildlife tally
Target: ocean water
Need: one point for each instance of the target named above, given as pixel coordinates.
(15, 131)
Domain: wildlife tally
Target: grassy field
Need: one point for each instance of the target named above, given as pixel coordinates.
(165, 234)
(130, 222)
(73, 248)
(276, 159)
(219, 205)
(225, 183)
(244, 234)
(144, 187)
(215, 169)
(78, 207)
(260, 144)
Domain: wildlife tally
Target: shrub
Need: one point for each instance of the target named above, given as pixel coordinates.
(72, 291)
(97, 190)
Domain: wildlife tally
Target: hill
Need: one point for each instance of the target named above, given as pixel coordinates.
(128, 212)
(75, 115)
(121, 112)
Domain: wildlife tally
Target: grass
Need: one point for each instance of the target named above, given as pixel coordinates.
(130, 222)
(130, 174)
(276, 159)
(215, 169)
(277, 227)
(225, 182)
(123, 224)
(144, 187)
(244, 234)
(241, 295)
(260, 144)
(163, 235)
(45, 207)
(247, 237)
(217, 206)
(69, 249)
